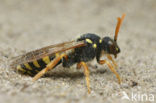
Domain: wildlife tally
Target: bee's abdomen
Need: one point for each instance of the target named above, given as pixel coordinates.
(32, 68)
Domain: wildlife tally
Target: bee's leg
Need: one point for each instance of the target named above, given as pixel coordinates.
(111, 68)
(86, 72)
(110, 58)
(50, 66)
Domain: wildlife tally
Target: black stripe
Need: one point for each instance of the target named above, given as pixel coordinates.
(34, 67)
(41, 63)
(23, 66)
(28, 70)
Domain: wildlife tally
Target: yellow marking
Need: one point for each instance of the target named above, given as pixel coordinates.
(94, 46)
(27, 66)
(46, 59)
(57, 55)
(19, 68)
(36, 64)
(117, 49)
(89, 41)
(100, 41)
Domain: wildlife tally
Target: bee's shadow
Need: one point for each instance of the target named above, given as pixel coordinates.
(71, 75)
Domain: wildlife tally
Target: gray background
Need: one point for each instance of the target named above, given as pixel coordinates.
(26, 25)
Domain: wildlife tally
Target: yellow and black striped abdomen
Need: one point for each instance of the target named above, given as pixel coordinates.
(34, 67)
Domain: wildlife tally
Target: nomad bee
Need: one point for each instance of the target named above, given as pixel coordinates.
(86, 48)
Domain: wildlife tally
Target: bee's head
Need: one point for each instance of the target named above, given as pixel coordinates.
(110, 46)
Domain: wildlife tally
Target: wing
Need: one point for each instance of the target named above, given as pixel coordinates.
(46, 51)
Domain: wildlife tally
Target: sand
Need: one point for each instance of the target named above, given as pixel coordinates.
(29, 24)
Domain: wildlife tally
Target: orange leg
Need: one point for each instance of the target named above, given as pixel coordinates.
(49, 67)
(110, 58)
(86, 72)
(111, 68)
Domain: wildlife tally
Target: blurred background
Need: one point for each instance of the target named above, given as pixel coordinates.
(47, 22)
(30, 24)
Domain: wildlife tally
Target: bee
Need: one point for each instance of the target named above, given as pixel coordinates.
(87, 47)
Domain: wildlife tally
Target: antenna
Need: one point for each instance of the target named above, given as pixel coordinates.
(118, 26)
